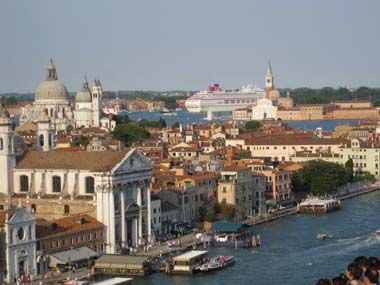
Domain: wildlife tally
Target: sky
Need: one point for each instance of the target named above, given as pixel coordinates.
(187, 45)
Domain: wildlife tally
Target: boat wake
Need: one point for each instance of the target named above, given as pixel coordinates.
(343, 246)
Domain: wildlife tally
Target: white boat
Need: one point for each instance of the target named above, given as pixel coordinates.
(317, 205)
(115, 281)
(216, 99)
(167, 112)
(321, 236)
(189, 262)
(377, 233)
(217, 263)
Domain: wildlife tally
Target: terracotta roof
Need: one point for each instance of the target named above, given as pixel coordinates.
(93, 161)
(292, 139)
(235, 168)
(66, 225)
(3, 215)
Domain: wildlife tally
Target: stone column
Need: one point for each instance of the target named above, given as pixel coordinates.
(149, 214)
(139, 203)
(122, 217)
(111, 222)
(135, 232)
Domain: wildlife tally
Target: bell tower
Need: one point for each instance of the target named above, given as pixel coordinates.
(45, 133)
(269, 80)
(97, 92)
(7, 152)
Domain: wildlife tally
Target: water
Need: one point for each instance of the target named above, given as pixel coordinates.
(186, 118)
(290, 251)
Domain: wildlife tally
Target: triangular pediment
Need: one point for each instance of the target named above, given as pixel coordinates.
(133, 161)
(21, 215)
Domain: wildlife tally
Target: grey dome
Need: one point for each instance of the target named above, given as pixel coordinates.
(51, 88)
(84, 95)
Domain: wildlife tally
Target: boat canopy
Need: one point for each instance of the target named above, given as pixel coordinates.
(228, 227)
(190, 255)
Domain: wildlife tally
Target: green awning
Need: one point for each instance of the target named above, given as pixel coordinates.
(286, 202)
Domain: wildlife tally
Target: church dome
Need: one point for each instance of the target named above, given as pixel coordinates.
(274, 94)
(51, 88)
(84, 95)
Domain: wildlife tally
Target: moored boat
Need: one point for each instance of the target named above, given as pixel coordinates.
(317, 205)
(217, 263)
(188, 262)
(377, 233)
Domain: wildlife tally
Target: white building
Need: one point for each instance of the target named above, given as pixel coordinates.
(88, 106)
(264, 110)
(156, 218)
(18, 244)
(113, 186)
(52, 98)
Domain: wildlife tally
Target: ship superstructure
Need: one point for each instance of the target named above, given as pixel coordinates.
(216, 99)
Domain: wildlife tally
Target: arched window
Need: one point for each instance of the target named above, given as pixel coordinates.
(90, 184)
(56, 184)
(24, 183)
(50, 140)
(41, 140)
(1, 143)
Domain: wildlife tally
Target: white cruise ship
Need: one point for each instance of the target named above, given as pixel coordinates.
(216, 99)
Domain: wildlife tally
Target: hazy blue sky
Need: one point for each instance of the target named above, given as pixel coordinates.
(177, 44)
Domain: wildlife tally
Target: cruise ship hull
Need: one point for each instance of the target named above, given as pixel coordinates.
(221, 101)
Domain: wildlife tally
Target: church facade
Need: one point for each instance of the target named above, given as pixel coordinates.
(112, 186)
(52, 98)
(17, 244)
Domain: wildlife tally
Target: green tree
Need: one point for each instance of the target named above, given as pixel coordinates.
(252, 126)
(84, 140)
(12, 100)
(130, 133)
(226, 211)
(349, 167)
(319, 177)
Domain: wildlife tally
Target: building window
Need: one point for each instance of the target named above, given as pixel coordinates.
(1, 143)
(95, 235)
(1, 207)
(72, 241)
(56, 184)
(67, 209)
(30, 232)
(90, 185)
(24, 183)
(224, 189)
(33, 208)
(64, 242)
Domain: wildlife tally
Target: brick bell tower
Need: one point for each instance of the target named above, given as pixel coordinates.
(269, 80)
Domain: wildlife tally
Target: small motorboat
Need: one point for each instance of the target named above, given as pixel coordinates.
(322, 236)
(377, 233)
(217, 263)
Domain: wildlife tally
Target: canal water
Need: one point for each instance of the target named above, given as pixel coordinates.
(186, 118)
(291, 253)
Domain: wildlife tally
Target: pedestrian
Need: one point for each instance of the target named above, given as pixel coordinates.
(31, 277)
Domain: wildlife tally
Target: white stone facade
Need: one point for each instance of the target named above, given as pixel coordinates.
(121, 195)
(20, 232)
(264, 110)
